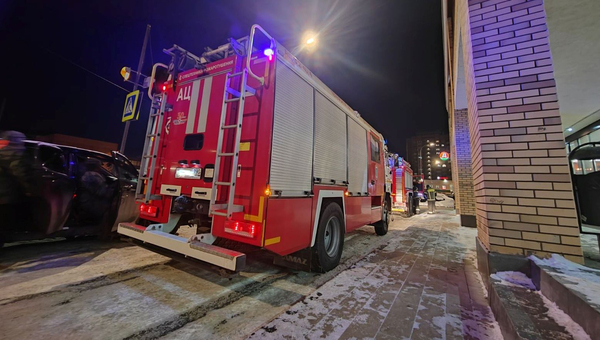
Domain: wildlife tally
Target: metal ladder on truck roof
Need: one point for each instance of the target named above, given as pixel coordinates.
(240, 97)
(151, 147)
(236, 96)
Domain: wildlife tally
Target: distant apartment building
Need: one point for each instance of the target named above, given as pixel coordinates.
(430, 145)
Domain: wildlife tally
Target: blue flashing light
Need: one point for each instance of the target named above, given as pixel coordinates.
(269, 53)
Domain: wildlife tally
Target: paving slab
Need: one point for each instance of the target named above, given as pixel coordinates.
(32, 269)
(423, 285)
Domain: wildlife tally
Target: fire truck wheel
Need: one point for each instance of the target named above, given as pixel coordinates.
(327, 250)
(381, 227)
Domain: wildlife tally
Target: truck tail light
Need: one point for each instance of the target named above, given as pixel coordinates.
(268, 191)
(240, 228)
(148, 210)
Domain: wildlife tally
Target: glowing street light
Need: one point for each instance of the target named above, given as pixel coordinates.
(309, 40)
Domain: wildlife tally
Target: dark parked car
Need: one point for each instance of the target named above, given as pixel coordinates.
(80, 192)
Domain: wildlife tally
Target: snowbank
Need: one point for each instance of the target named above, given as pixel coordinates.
(576, 277)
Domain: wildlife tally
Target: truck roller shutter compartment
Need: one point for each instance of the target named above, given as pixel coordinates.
(330, 142)
(292, 150)
(357, 158)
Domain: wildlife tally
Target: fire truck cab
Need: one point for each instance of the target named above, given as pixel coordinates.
(247, 144)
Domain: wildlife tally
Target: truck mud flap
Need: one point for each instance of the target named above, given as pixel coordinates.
(218, 256)
(300, 260)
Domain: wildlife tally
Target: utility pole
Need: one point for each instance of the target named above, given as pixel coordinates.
(135, 85)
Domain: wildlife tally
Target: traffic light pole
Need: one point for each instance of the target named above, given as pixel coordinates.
(135, 85)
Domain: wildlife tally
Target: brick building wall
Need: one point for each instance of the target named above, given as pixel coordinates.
(461, 168)
(520, 171)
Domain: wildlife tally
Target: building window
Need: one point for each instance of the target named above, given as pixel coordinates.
(573, 145)
(595, 136)
(584, 139)
(576, 167)
(588, 166)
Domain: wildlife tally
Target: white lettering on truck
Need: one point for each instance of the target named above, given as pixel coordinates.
(185, 93)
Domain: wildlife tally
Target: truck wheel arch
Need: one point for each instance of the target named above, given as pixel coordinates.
(324, 198)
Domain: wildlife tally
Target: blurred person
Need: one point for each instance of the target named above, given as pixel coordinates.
(17, 178)
(95, 194)
(416, 200)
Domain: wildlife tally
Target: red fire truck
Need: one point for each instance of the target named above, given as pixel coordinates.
(247, 144)
(402, 184)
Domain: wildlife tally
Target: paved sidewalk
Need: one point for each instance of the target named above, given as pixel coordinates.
(423, 285)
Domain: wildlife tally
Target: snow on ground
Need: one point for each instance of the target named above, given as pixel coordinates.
(591, 251)
(514, 278)
(561, 318)
(423, 285)
(564, 320)
(446, 203)
(576, 277)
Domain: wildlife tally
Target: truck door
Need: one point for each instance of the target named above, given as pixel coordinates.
(376, 168)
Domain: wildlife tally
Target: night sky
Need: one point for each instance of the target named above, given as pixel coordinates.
(384, 58)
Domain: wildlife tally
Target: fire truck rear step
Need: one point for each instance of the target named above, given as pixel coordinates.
(218, 256)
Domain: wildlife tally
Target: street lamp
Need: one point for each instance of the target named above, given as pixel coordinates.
(127, 72)
(421, 157)
(309, 40)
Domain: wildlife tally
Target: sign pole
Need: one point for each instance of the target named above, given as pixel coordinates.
(135, 85)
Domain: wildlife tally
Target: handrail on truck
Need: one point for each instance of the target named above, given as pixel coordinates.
(249, 50)
(152, 75)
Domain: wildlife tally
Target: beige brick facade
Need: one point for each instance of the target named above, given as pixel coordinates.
(461, 165)
(520, 174)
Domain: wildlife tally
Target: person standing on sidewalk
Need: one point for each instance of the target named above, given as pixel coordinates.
(431, 196)
(416, 199)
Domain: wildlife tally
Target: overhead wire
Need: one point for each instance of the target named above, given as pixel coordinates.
(86, 70)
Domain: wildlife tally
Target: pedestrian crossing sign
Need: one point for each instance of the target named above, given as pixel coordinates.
(130, 111)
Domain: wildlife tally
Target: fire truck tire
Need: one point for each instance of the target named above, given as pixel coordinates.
(329, 243)
(381, 227)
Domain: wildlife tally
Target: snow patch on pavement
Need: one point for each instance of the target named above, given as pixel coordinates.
(472, 326)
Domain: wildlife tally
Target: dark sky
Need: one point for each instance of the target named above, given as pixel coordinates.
(384, 58)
